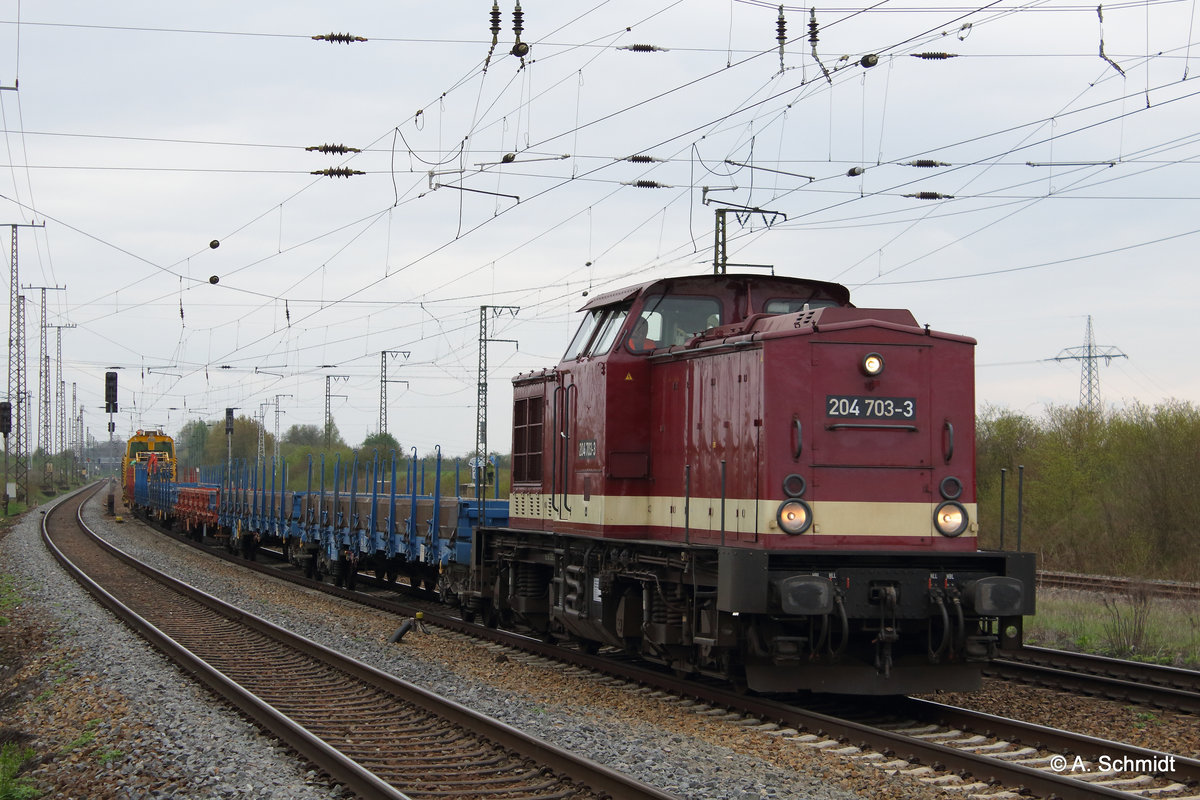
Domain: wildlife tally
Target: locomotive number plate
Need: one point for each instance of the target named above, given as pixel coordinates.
(859, 407)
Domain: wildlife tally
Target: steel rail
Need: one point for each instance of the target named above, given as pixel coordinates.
(1128, 681)
(583, 771)
(1115, 585)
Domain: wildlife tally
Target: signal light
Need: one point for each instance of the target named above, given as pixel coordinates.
(110, 392)
(5, 417)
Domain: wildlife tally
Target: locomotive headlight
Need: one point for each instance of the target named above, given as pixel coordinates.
(794, 517)
(872, 365)
(950, 519)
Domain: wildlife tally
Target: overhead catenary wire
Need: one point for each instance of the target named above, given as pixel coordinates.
(449, 276)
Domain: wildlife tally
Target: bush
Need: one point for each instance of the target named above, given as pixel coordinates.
(1107, 494)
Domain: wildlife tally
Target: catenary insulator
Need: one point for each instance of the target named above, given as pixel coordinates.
(339, 38)
(495, 21)
(930, 196)
(781, 36)
(926, 162)
(642, 48)
(333, 149)
(645, 184)
(639, 159)
(337, 172)
(854, 172)
(935, 56)
(519, 48)
(869, 60)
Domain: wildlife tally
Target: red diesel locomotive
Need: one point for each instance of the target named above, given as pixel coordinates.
(746, 476)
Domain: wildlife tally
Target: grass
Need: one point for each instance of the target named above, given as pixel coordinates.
(9, 596)
(12, 787)
(109, 755)
(83, 740)
(1145, 719)
(1142, 628)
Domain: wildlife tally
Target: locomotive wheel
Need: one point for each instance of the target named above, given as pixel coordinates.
(345, 575)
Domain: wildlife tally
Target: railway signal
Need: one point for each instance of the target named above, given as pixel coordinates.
(110, 392)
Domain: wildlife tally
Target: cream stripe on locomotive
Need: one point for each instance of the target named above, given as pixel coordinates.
(741, 516)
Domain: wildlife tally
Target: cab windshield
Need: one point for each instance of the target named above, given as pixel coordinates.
(597, 332)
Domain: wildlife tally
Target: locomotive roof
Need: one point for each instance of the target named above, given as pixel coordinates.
(720, 284)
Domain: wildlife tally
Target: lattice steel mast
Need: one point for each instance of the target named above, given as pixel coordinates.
(19, 441)
(22, 401)
(1089, 354)
(383, 382)
(60, 438)
(481, 451)
(328, 410)
(45, 436)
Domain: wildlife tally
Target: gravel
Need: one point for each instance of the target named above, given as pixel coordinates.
(112, 718)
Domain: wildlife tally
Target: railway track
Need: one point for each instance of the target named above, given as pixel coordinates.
(1098, 676)
(934, 743)
(1118, 586)
(379, 736)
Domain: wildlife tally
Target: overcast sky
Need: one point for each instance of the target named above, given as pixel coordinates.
(142, 132)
